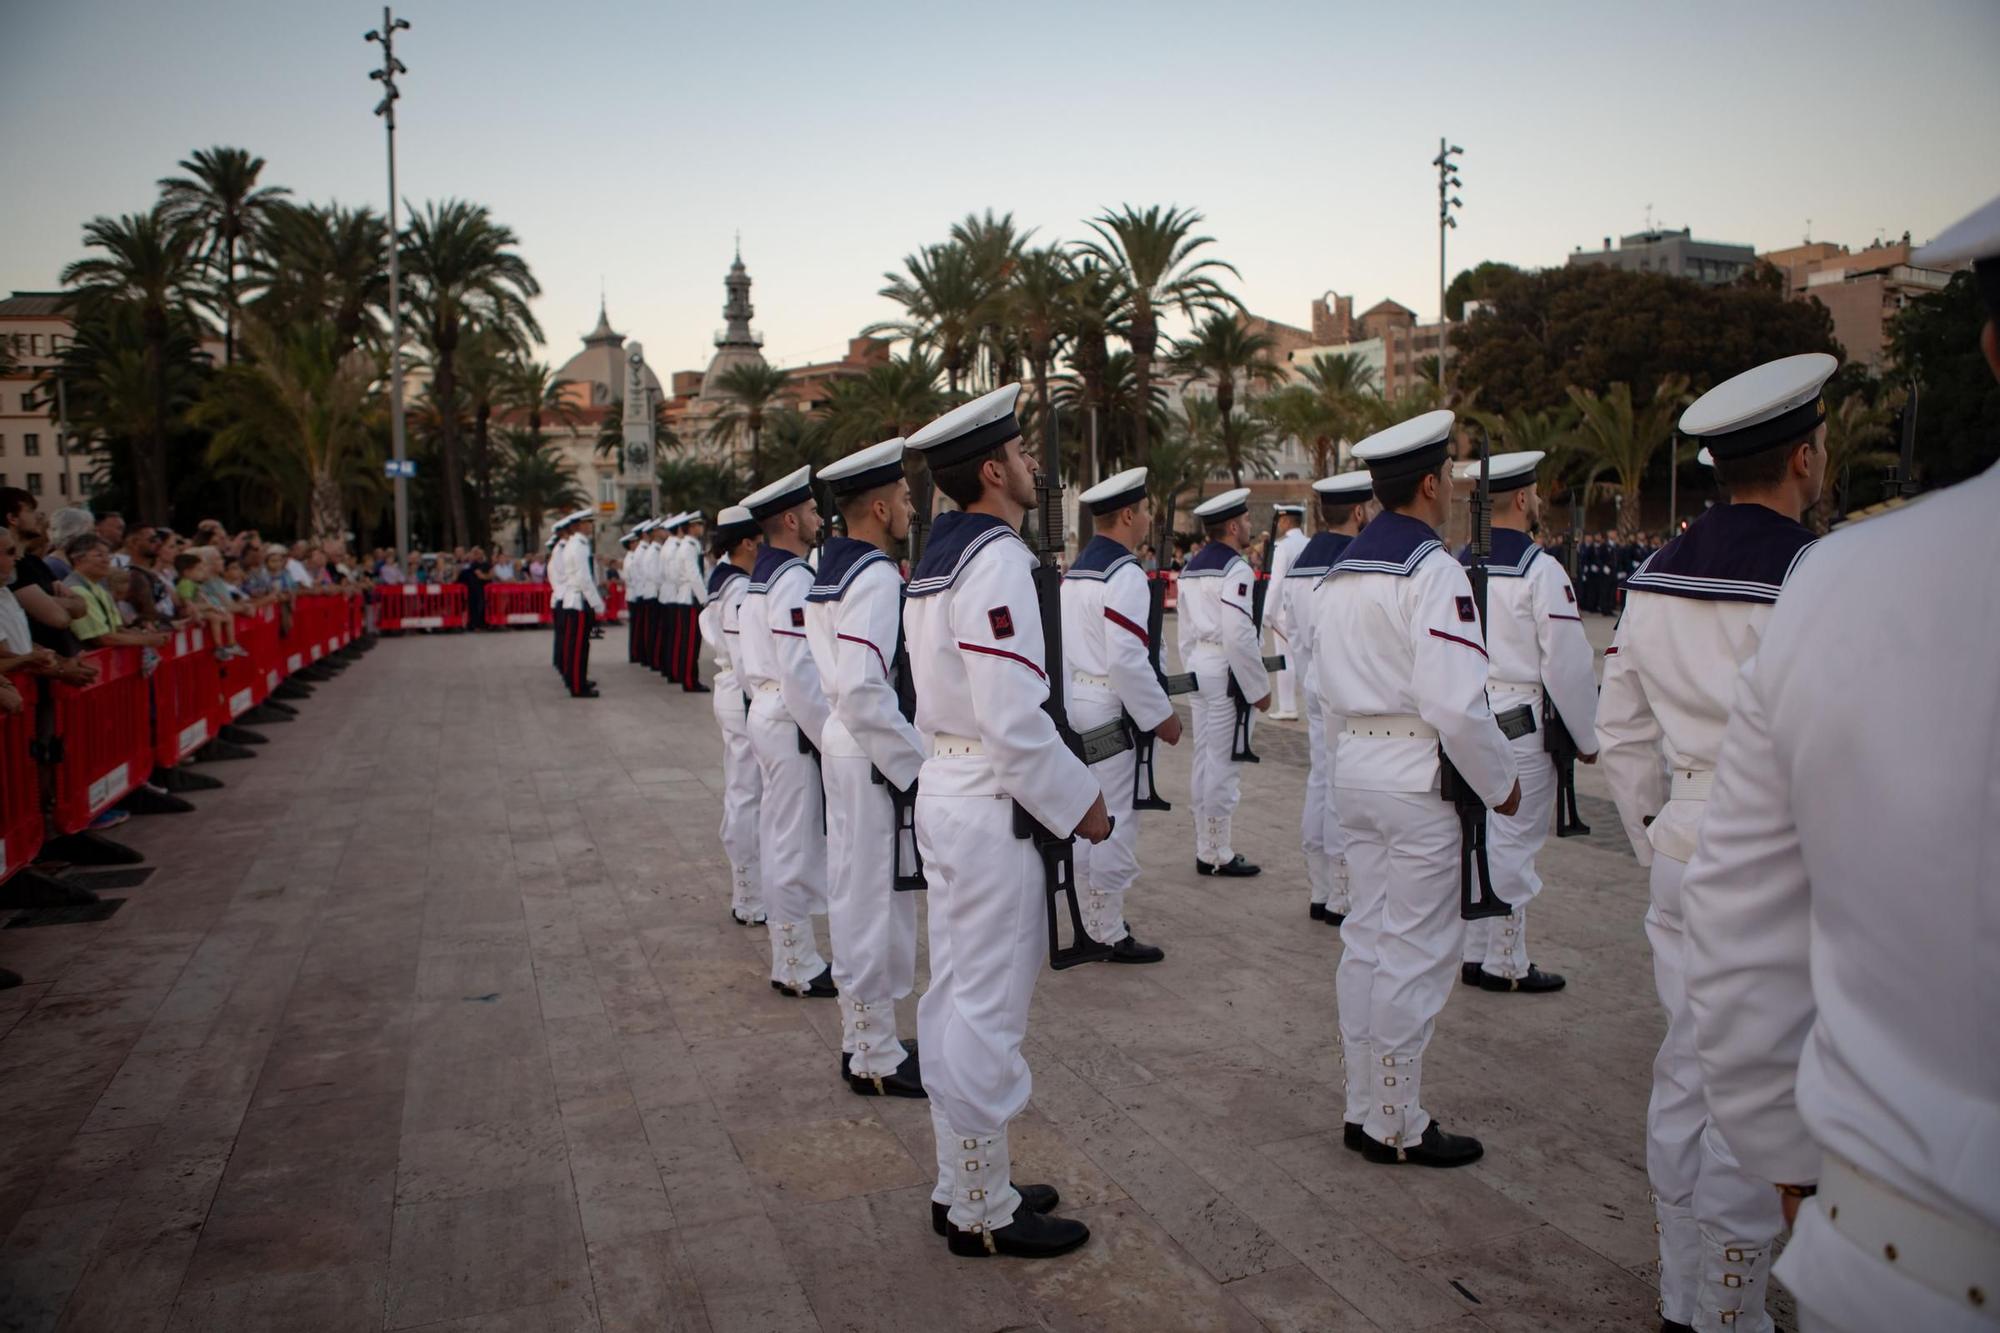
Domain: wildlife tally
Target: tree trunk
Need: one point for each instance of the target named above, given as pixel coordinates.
(326, 520)
(149, 454)
(229, 300)
(482, 471)
(1144, 341)
(1628, 513)
(756, 451)
(1225, 404)
(454, 478)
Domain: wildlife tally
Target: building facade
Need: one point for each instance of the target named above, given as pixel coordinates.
(1675, 253)
(33, 331)
(1861, 289)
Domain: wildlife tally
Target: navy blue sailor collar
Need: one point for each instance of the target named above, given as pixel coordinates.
(1319, 554)
(1210, 561)
(1392, 543)
(771, 562)
(839, 561)
(721, 574)
(1100, 558)
(1513, 551)
(954, 539)
(1733, 553)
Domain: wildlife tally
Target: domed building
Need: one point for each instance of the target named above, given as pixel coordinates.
(598, 371)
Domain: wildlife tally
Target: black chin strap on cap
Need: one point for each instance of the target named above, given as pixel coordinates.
(1785, 428)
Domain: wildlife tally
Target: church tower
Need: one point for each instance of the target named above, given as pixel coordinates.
(738, 343)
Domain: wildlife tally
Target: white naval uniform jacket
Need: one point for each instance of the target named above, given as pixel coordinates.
(1216, 615)
(980, 666)
(697, 577)
(1843, 909)
(720, 622)
(1396, 634)
(1534, 634)
(1105, 606)
(1279, 614)
(776, 662)
(854, 614)
(570, 576)
(642, 576)
(1694, 613)
(1301, 577)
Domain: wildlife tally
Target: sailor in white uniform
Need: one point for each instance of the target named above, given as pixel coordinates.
(1541, 661)
(854, 621)
(656, 568)
(982, 679)
(1843, 906)
(1219, 643)
(1694, 613)
(1344, 507)
(694, 579)
(673, 597)
(788, 714)
(734, 545)
(638, 589)
(1289, 519)
(573, 592)
(1401, 661)
(1108, 655)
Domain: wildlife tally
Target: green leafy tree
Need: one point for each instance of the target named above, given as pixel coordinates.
(321, 262)
(696, 483)
(1188, 451)
(1860, 438)
(220, 195)
(996, 248)
(1935, 341)
(1619, 438)
(755, 390)
(947, 303)
(898, 397)
(536, 480)
(1295, 412)
(1038, 298)
(1119, 409)
(1224, 353)
(1478, 283)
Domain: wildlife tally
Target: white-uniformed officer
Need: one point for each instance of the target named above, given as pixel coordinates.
(982, 678)
(673, 587)
(1219, 643)
(1541, 661)
(573, 590)
(1843, 906)
(1290, 541)
(1108, 655)
(854, 620)
(1694, 612)
(1402, 662)
(734, 546)
(1344, 507)
(787, 717)
(695, 582)
(634, 572)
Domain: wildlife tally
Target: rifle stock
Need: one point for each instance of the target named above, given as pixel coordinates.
(1562, 750)
(1239, 740)
(1476, 898)
(1145, 788)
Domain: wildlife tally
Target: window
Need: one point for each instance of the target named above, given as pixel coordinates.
(34, 483)
(31, 445)
(62, 483)
(57, 342)
(27, 402)
(607, 489)
(3, 446)
(34, 344)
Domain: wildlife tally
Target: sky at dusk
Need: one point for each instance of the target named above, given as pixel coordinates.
(627, 143)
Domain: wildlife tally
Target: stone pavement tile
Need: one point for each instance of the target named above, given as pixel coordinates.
(494, 1252)
(1262, 1099)
(706, 1182)
(584, 1057)
(146, 1089)
(644, 1285)
(774, 1078)
(1595, 1198)
(618, 1187)
(43, 1257)
(730, 997)
(1542, 1279)
(1292, 1300)
(15, 1003)
(1088, 1053)
(96, 1165)
(568, 989)
(473, 1157)
(747, 1284)
(829, 1159)
(347, 1299)
(871, 1264)
(1130, 1275)
(136, 960)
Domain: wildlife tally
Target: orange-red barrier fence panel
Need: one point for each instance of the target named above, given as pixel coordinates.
(188, 707)
(105, 730)
(20, 785)
(244, 682)
(518, 604)
(422, 606)
(614, 603)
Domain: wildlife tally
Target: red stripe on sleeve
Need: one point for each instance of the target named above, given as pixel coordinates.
(1612, 651)
(1002, 652)
(1126, 623)
(1440, 634)
(1554, 616)
(856, 638)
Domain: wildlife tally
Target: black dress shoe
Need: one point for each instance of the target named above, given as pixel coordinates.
(756, 920)
(1129, 950)
(1435, 1148)
(1335, 919)
(1317, 911)
(1468, 973)
(1235, 868)
(697, 688)
(1034, 1198)
(1535, 982)
(1675, 1326)
(847, 1061)
(1353, 1137)
(820, 987)
(589, 693)
(1031, 1235)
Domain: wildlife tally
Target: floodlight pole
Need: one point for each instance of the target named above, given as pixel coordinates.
(386, 109)
(1447, 201)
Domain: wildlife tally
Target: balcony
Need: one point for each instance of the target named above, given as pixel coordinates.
(722, 338)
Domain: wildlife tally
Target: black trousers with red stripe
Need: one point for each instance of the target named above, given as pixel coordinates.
(673, 656)
(573, 646)
(691, 659)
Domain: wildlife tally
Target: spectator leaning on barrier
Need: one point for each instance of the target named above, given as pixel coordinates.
(100, 626)
(18, 653)
(49, 606)
(64, 525)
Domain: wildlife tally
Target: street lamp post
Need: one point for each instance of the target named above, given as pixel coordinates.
(1447, 201)
(386, 109)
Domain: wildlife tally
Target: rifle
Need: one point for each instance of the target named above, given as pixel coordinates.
(1561, 748)
(903, 802)
(1145, 791)
(1452, 786)
(1058, 850)
(1903, 475)
(1239, 741)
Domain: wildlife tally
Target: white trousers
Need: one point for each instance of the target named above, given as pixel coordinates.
(742, 793)
(1284, 684)
(792, 844)
(1716, 1223)
(988, 937)
(1398, 942)
(1319, 823)
(1105, 871)
(1841, 1288)
(1500, 943)
(872, 928)
(1217, 783)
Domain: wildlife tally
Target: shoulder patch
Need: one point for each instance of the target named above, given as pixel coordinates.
(1569, 593)
(1467, 612)
(799, 617)
(1002, 621)
(1242, 590)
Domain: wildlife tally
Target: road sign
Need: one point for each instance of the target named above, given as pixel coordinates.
(406, 468)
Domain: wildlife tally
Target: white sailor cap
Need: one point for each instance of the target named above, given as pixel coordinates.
(630, 537)
(1408, 448)
(1115, 493)
(786, 492)
(734, 523)
(865, 469)
(674, 522)
(1505, 472)
(1295, 510)
(1344, 488)
(1225, 506)
(970, 429)
(1705, 458)
(575, 516)
(1776, 403)
(1974, 239)
(692, 517)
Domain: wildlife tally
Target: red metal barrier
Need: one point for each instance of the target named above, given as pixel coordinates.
(614, 604)
(105, 729)
(20, 785)
(1172, 579)
(188, 707)
(422, 606)
(245, 682)
(518, 604)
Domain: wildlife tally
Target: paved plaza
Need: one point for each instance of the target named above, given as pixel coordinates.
(436, 1019)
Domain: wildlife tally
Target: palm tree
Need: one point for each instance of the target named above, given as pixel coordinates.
(1092, 320)
(1297, 413)
(995, 249)
(1340, 378)
(536, 480)
(797, 440)
(299, 408)
(221, 196)
(1187, 452)
(1150, 256)
(462, 269)
(1037, 301)
(754, 389)
(322, 262)
(119, 388)
(1220, 351)
(695, 483)
(946, 299)
(1618, 437)
(896, 398)
(486, 365)
(531, 388)
(1119, 410)
(151, 263)
(1856, 433)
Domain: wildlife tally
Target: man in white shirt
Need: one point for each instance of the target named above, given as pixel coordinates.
(1285, 550)
(735, 547)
